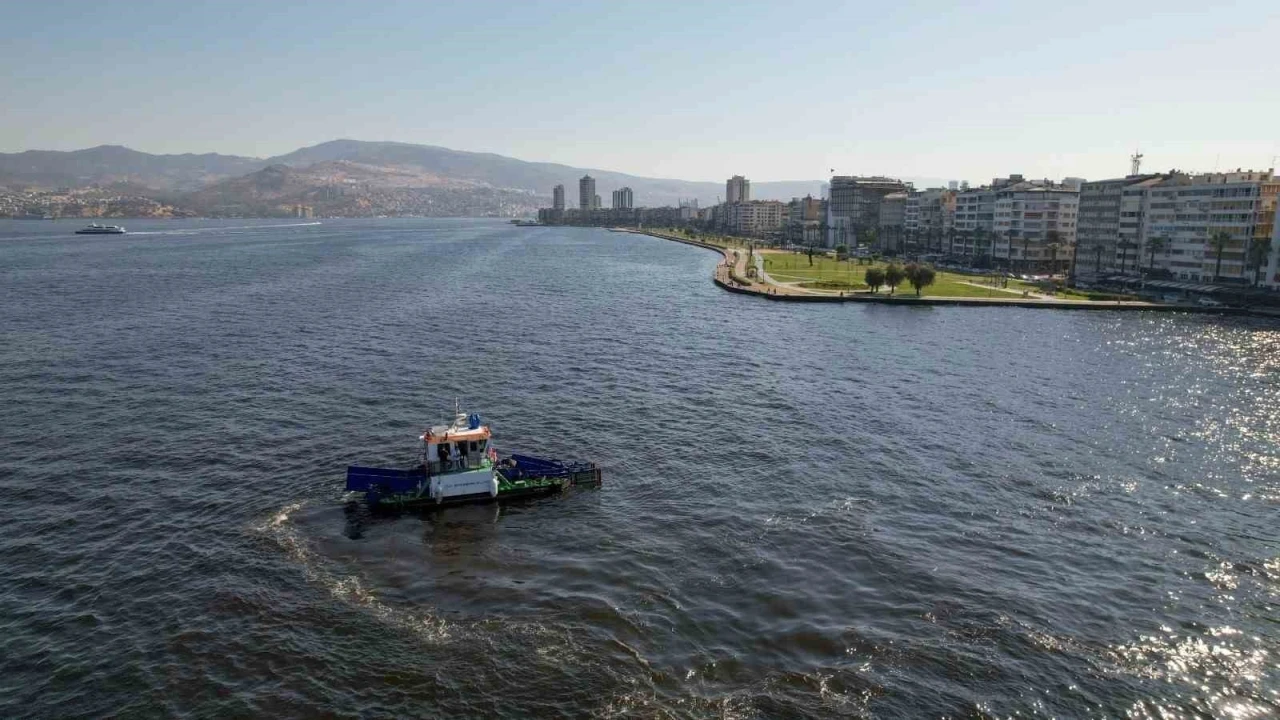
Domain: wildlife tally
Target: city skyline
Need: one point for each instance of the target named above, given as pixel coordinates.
(961, 101)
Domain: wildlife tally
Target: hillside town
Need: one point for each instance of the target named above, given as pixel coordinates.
(89, 202)
(1175, 229)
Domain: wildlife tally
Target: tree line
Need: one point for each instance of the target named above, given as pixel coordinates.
(891, 276)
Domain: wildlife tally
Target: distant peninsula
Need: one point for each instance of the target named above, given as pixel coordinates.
(341, 178)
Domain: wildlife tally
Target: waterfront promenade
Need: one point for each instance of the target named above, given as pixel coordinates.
(732, 275)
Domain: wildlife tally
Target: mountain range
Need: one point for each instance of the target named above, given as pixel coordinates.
(351, 177)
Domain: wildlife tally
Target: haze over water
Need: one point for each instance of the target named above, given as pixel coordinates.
(826, 510)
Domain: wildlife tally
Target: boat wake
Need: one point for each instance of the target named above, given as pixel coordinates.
(281, 530)
(197, 231)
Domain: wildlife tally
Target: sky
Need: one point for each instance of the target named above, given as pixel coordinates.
(697, 91)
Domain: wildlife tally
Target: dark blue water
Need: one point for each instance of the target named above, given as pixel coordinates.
(853, 511)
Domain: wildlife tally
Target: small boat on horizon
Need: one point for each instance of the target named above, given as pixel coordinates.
(96, 229)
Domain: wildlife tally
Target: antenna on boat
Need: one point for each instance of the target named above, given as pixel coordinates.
(457, 406)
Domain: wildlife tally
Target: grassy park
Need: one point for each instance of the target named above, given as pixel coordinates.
(827, 273)
(824, 272)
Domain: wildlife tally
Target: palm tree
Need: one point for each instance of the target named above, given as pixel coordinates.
(1026, 243)
(1124, 254)
(1219, 240)
(1259, 250)
(870, 235)
(1053, 242)
(1155, 243)
(951, 242)
(1053, 257)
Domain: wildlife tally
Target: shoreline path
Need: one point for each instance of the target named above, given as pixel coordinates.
(731, 274)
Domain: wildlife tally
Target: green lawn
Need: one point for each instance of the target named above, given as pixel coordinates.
(725, 241)
(828, 274)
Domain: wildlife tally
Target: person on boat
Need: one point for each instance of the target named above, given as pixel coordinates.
(442, 454)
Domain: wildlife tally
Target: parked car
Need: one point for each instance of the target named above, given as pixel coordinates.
(1208, 302)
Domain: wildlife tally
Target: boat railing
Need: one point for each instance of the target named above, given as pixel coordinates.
(438, 467)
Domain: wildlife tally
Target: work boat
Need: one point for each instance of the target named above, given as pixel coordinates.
(458, 464)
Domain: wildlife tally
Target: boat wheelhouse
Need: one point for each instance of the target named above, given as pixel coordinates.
(457, 458)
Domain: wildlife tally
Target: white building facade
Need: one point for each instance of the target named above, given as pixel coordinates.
(756, 218)
(1035, 225)
(1182, 216)
(1271, 278)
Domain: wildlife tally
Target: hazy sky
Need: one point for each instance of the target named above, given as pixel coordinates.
(774, 90)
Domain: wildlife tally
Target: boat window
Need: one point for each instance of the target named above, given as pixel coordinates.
(473, 446)
(482, 444)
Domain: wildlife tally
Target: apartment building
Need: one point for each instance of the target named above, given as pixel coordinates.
(623, 199)
(755, 217)
(1099, 246)
(804, 220)
(1271, 278)
(1182, 216)
(893, 208)
(1035, 225)
(854, 206)
(975, 216)
(928, 217)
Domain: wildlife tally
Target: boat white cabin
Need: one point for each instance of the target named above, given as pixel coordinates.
(459, 459)
(464, 445)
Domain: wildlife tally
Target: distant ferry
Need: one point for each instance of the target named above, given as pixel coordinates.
(96, 229)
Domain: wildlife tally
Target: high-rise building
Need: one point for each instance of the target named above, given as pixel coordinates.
(557, 198)
(737, 189)
(587, 193)
(595, 203)
(854, 207)
(622, 199)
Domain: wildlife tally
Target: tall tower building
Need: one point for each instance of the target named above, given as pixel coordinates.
(586, 192)
(557, 198)
(622, 199)
(737, 189)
